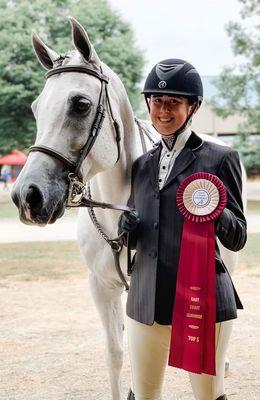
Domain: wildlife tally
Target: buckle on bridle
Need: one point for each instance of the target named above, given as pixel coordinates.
(76, 192)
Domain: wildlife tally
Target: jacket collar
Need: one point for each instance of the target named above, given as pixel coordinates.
(185, 158)
(194, 142)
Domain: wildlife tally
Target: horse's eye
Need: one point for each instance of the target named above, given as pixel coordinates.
(81, 106)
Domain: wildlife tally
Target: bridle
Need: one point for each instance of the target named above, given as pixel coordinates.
(76, 187)
(78, 195)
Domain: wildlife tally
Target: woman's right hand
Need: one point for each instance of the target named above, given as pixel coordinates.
(128, 221)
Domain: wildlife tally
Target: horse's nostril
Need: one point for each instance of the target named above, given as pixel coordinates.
(34, 198)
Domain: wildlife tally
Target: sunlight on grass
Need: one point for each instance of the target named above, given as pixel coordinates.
(250, 255)
(62, 260)
(9, 210)
(40, 260)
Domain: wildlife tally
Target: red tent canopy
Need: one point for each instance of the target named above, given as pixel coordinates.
(15, 158)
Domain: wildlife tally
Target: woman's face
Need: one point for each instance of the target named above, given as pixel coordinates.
(168, 113)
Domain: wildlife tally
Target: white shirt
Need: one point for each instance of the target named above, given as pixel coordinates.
(168, 157)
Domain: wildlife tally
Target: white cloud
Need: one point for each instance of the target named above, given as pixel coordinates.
(191, 29)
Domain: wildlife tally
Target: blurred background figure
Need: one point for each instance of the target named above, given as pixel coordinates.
(5, 175)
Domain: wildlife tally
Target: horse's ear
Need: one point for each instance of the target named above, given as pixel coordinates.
(45, 55)
(81, 41)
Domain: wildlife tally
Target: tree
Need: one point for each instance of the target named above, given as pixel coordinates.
(239, 86)
(21, 77)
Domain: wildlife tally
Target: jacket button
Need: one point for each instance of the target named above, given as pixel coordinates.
(155, 225)
(153, 254)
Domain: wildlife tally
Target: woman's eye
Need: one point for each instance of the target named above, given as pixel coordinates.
(81, 106)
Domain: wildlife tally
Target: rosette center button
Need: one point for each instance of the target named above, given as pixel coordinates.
(201, 197)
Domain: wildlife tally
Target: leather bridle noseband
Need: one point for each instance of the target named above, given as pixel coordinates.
(78, 195)
(76, 189)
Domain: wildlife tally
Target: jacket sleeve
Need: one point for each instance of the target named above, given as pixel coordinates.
(231, 226)
(130, 203)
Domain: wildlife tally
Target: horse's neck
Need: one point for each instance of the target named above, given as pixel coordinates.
(113, 185)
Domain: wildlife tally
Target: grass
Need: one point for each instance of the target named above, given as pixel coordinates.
(250, 255)
(9, 210)
(253, 206)
(61, 260)
(40, 260)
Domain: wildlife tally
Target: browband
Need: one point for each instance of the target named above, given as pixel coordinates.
(77, 68)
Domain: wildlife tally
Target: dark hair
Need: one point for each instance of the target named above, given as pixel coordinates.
(192, 100)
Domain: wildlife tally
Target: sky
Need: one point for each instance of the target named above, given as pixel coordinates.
(189, 29)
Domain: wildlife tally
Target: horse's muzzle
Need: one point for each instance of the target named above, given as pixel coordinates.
(35, 207)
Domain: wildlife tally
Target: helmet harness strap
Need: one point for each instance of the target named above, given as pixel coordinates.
(188, 119)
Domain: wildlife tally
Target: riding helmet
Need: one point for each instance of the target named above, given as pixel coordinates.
(174, 77)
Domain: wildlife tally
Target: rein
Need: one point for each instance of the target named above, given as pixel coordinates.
(78, 195)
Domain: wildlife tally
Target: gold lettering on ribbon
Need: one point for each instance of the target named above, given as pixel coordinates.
(195, 299)
(192, 307)
(195, 288)
(198, 316)
(195, 339)
(193, 326)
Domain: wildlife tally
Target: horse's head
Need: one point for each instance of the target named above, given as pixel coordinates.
(78, 127)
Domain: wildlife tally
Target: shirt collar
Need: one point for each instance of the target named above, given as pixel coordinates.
(181, 140)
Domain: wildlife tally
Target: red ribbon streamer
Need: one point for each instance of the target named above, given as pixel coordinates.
(194, 315)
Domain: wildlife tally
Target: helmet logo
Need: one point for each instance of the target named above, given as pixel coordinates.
(162, 84)
(167, 71)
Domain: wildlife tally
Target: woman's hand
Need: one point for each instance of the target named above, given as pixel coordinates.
(128, 221)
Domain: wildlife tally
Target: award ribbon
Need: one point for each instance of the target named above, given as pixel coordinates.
(201, 198)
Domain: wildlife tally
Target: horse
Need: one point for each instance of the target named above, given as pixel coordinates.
(85, 123)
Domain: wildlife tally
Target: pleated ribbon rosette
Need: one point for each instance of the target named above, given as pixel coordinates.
(201, 198)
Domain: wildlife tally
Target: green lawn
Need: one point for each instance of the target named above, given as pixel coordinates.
(61, 260)
(253, 206)
(9, 210)
(250, 255)
(40, 260)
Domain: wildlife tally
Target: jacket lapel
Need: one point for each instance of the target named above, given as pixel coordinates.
(185, 158)
(152, 166)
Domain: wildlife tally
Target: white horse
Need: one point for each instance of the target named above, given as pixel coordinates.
(65, 112)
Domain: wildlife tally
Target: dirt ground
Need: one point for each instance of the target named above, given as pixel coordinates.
(52, 345)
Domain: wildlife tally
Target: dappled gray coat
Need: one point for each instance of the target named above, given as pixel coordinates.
(157, 239)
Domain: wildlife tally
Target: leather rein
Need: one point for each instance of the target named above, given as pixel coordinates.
(78, 195)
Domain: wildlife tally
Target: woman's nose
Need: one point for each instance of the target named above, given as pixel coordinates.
(166, 106)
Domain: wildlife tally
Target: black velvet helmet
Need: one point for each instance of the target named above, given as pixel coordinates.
(174, 77)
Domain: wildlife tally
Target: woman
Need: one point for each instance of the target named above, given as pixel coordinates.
(173, 92)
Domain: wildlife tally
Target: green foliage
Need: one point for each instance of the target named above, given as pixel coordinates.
(22, 78)
(239, 86)
(249, 153)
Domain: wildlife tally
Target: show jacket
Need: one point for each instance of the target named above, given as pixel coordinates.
(157, 239)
